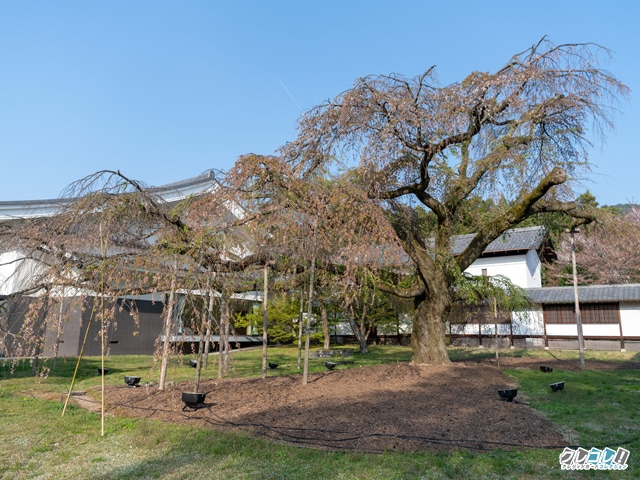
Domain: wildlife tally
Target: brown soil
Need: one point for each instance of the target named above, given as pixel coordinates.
(396, 407)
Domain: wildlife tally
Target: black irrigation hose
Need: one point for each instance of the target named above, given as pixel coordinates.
(476, 444)
(280, 431)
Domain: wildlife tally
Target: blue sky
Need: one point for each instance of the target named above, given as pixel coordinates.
(164, 90)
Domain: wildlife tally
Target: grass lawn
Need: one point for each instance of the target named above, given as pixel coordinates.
(598, 408)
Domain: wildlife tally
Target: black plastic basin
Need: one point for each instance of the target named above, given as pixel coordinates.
(508, 394)
(193, 400)
(131, 381)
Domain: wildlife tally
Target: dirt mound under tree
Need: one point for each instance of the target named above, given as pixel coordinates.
(394, 407)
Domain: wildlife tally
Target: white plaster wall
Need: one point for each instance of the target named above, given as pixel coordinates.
(565, 329)
(16, 274)
(466, 329)
(630, 319)
(457, 329)
(523, 323)
(490, 329)
(343, 328)
(601, 330)
(472, 329)
(588, 330)
(7, 269)
(534, 270)
(528, 323)
(404, 326)
(523, 270)
(503, 329)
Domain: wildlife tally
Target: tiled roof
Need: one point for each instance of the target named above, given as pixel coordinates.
(587, 294)
(528, 238)
(514, 240)
(172, 192)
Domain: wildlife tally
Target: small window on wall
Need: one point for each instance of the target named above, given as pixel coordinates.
(589, 313)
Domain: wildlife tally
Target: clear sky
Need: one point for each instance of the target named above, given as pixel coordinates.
(164, 90)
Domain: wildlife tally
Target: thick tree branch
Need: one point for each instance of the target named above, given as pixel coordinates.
(414, 290)
(516, 214)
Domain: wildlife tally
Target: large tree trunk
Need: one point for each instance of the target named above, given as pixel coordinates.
(428, 335)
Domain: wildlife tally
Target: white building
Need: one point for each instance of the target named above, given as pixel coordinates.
(610, 314)
(517, 254)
